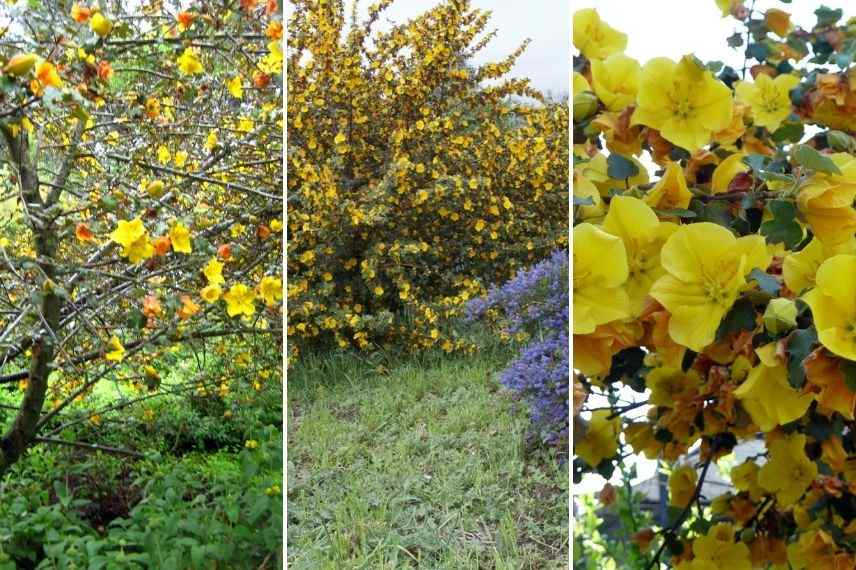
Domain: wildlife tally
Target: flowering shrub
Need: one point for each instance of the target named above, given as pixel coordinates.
(412, 184)
(721, 289)
(533, 306)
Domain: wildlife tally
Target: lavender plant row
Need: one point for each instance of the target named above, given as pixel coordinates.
(534, 305)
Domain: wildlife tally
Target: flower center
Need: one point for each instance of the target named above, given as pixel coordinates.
(716, 293)
(684, 108)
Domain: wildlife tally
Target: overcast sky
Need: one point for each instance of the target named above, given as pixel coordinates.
(546, 22)
(673, 28)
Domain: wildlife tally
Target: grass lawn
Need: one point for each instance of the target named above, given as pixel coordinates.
(417, 462)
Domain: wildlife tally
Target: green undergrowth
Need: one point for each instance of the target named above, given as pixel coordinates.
(417, 461)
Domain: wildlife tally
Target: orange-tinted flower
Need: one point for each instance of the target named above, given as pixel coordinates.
(188, 308)
(83, 233)
(151, 306)
(105, 71)
(261, 80)
(80, 14)
(185, 19)
(47, 75)
(274, 30)
(162, 245)
(824, 372)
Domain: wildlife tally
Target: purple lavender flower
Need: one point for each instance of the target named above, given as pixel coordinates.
(536, 301)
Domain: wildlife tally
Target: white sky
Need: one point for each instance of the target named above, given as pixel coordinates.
(673, 28)
(547, 59)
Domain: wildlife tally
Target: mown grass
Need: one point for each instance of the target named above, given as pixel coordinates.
(417, 462)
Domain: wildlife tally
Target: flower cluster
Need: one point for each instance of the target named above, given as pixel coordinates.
(721, 289)
(533, 306)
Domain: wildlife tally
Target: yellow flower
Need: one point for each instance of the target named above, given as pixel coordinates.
(188, 63)
(718, 549)
(132, 236)
(643, 235)
(210, 293)
(616, 80)
(118, 352)
(726, 170)
(817, 549)
(180, 158)
(163, 154)
(683, 101)
(799, 268)
(767, 395)
(270, 289)
(744, 477)
(251, 444)
(47, 75)
(155, 188)
(595, 38)
(214, 272)
(601, 438)
(670, 191)
(706, 268)
(789, 471)
(585, 189)
(580, 83)
(240, 300)
(668, 384)
(20, 64)
(827, 201)
(180, 238)
(597, 170)
(100, 25)
(735, 129)
(768, 98)
(600, 271)
(236, 87)
(833, 305)
(682, 483)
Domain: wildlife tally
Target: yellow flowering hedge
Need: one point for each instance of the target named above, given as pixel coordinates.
(715, 276)
(416, 178)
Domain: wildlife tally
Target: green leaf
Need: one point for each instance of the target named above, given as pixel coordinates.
(810, 158)
(741, 317)
(848, 367)
(676, 212)
(716, 213)
(136, 319)
(766, 282)
(792, 132)
(620, 168)
(625, 364)
(783, 228)
(828, 16)
(799, 344)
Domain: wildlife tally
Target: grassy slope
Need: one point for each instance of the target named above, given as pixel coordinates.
(418, 464)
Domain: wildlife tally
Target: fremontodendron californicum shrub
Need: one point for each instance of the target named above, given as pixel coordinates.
(534, 306)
